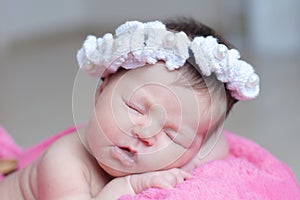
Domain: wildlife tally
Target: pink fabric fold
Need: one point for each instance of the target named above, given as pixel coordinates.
(8, 148)
(249, 172)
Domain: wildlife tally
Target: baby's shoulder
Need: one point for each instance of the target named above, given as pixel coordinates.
(67, 159)
(65, 152)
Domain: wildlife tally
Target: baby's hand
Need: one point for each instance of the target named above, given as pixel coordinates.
(166, 179)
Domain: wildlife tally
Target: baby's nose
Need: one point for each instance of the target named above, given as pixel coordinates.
(147, 135)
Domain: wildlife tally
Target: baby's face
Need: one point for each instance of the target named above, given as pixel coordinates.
(145, 121)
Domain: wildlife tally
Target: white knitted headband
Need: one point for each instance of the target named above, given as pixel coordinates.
(136, 44)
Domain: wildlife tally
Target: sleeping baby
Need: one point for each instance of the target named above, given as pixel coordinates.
(158, 114)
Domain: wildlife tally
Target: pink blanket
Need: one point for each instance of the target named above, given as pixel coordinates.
(249, 172)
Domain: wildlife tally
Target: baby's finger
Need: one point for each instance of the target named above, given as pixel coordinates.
(185, 174)
(181, 174)
(161, 182)
(172, 178)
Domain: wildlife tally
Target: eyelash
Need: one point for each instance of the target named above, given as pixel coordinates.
(171, 134)
(135, 108)
(174, 137)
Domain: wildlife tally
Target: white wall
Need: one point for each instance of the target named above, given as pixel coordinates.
(274, 26)
(33, 18)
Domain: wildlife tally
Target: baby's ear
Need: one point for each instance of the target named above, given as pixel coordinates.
(101, 88)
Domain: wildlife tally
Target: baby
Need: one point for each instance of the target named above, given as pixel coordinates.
(158, 114)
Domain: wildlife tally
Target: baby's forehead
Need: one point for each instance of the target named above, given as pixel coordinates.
(156, 73)
(161, 79)
(156, 82)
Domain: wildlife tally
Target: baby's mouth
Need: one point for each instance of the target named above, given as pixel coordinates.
(125, 155)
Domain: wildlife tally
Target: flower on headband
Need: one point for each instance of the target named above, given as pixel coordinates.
(239, 76)
(136, 44)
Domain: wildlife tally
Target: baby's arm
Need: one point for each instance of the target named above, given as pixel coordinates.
(136, 183)
(55, 175)
(61, 177)
(67, 171)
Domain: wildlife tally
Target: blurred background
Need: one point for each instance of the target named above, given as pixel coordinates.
(39, 41)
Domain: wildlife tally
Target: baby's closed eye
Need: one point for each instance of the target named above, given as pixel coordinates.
(135, 108)
(171, 133)
(179, 138)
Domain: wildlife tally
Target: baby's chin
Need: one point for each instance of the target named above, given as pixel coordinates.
(115, 172)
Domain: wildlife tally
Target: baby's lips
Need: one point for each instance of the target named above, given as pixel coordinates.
(130, 149)
(126, 157)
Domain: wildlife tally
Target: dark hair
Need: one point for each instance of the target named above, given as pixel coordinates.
(194, 28)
